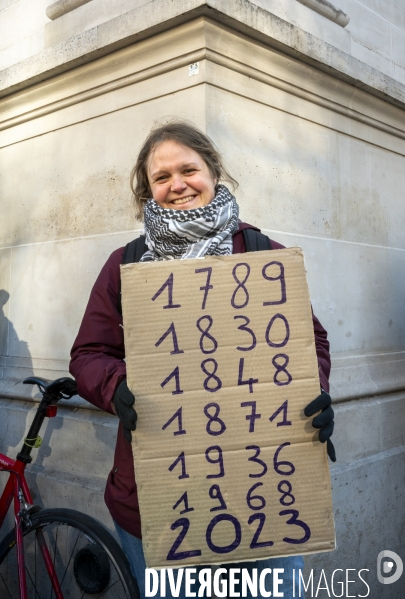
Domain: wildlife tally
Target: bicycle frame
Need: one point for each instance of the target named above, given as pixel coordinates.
(17, 489)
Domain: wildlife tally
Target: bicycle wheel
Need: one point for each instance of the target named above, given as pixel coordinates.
(86, 559)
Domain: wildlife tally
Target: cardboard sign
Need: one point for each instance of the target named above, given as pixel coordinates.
(221, 358)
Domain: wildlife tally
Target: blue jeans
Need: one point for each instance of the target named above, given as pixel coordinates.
(132, 547)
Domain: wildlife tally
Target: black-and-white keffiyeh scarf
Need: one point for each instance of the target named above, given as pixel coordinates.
(191, 233)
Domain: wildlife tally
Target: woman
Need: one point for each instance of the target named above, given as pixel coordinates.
(187, 213)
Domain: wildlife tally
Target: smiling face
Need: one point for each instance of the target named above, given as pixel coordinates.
(179, 178)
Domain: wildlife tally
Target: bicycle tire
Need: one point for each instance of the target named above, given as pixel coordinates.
(83, 552)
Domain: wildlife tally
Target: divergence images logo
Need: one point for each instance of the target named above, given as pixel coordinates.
(388, 565)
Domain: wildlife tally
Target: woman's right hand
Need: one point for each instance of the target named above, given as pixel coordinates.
(122, 406)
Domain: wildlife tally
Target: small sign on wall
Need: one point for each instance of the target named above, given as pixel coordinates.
(221, 359)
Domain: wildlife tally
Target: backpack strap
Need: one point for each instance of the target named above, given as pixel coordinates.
(255, 241)
(133, 252)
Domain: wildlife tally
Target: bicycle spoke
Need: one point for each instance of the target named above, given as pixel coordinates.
(33, 584)
(105, 591)
(88, 579)
(54, 559)
(70, 558)
(5, 586)
(35, 562)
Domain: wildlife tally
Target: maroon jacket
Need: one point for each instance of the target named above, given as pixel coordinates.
(97, 363)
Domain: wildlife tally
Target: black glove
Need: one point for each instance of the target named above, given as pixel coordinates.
(323, 421)
(123, 402)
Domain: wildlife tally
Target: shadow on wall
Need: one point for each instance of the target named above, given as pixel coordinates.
(13, 426)
(12, 348)
(19, 414)
(15, 416)
(8, 332)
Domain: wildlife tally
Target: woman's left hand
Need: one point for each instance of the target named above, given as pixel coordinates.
(123, 406)
(324, 421)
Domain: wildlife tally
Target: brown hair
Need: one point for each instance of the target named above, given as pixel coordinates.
(185, 134)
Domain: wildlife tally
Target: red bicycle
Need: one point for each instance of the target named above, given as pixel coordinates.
(59, 552)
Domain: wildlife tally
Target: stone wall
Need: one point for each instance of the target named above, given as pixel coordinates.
(314, 135)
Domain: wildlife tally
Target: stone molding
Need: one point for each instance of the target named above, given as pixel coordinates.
(264, 65)
(241, 15)
(216, 58)
(61, 7)
(366, 375)
(326, 9)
